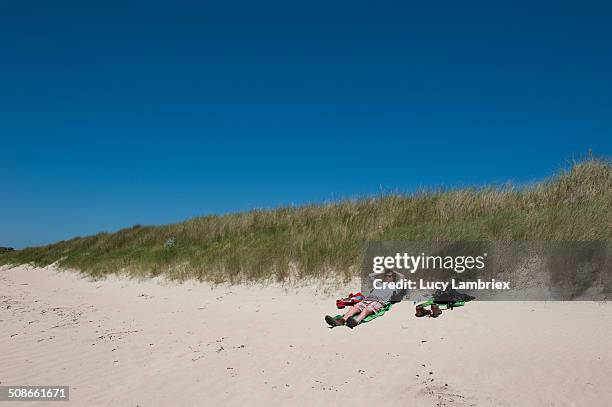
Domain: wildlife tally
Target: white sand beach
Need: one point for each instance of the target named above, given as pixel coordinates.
(124, 342)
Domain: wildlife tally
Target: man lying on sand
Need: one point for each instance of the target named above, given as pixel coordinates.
(372, 303)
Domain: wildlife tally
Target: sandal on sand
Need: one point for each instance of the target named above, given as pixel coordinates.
(435, 311)
(351, 322)
(334, 321)
(421, 311)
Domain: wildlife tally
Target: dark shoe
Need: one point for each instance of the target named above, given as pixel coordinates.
(351, 322)
(334, 321)
(435, 311)
(421, 311)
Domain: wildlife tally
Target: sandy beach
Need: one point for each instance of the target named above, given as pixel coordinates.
(124, 342)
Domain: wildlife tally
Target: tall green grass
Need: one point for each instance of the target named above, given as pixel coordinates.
(324, 240)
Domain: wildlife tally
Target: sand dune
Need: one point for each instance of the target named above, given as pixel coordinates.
(147, 343)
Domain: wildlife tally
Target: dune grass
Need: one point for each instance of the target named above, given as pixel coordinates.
(324, 240)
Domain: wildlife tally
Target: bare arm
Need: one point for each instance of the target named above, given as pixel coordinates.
(374, 276)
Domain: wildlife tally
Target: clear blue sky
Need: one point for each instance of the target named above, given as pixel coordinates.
(117, 113)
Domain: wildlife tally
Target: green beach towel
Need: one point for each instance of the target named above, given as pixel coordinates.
(444, 305)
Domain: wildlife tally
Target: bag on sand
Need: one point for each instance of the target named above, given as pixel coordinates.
(448, 299)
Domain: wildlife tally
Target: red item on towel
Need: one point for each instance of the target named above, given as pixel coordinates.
(352, 299)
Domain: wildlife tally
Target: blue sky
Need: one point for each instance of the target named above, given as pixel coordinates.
(117, 113)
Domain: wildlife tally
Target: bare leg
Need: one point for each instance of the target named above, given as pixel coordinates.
(351, 311)
(363, 314)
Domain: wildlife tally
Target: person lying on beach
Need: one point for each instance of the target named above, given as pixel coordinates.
(372, 303)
